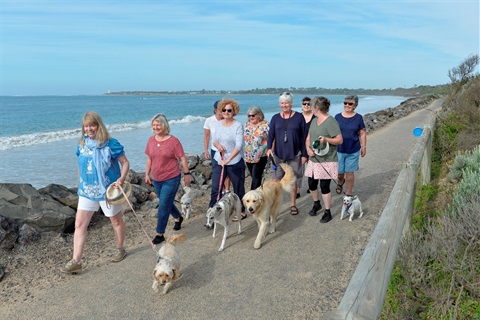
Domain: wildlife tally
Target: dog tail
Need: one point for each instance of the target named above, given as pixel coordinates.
(289, 178)
(176, 238)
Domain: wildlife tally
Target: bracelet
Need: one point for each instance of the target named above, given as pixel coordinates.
(364, 146)
(186, 173)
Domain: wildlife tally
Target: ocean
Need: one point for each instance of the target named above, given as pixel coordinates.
(39, 134)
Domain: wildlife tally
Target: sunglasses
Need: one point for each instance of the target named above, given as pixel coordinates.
(348, 103)
(252, 115)
(227, 110)
(305, 103)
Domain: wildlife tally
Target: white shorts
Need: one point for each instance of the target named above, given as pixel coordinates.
(94, 205)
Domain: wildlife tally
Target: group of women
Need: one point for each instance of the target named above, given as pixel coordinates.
(307, 141)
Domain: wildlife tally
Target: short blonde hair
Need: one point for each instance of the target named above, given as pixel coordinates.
(162, 120)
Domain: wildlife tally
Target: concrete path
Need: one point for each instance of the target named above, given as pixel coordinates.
(300, 272)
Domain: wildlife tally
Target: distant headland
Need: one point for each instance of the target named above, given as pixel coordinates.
(405, 92)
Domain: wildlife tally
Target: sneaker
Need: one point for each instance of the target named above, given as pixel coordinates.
(178, 224)
(158, 239)
(327, 216)
(316, 206)
(71, 267)
(120, 255)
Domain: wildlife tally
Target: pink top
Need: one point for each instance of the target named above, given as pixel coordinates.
(164, 156)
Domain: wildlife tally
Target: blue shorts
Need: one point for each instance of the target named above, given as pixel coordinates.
(348, 162)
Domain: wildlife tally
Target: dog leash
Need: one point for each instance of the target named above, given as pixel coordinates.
(136, 217)
(334, 180)
(220, 184)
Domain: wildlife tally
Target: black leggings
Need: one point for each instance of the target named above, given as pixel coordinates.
(324, 185)
(256, 172)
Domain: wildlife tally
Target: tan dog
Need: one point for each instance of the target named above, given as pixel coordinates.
(167, 269)
(264, 202)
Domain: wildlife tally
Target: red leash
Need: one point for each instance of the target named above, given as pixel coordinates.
(220, 184)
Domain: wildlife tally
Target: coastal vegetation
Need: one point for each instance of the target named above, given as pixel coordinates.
(403, 92)
(437, 273)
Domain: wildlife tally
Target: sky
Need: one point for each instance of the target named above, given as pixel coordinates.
(65, 47)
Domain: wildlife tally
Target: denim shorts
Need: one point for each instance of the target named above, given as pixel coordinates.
(348, 162)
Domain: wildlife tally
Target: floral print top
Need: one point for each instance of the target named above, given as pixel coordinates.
(255, 141)
(88, 186)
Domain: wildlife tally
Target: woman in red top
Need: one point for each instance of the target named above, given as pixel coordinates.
(163, 152)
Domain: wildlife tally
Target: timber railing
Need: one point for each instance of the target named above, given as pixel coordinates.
(365, 294)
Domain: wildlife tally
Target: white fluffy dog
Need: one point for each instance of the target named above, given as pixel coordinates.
(264, 202)
(351, 205)
(222, 212)
(187, 199)
(167, 269)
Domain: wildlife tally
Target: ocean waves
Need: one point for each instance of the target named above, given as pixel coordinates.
(24, 140)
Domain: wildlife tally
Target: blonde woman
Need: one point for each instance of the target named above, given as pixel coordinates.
(164, 151)
(99, 160)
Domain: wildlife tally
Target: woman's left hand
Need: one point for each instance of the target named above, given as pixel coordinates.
(187, 180)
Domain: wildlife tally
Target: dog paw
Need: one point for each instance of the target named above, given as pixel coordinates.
(257, 245)
(220, 249)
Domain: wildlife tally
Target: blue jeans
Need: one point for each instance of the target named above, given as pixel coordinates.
(166, 191)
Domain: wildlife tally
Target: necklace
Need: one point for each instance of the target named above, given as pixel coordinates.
(285, 125)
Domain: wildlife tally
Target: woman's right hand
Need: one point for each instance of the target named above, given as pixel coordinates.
(147, 180)
(207, 155)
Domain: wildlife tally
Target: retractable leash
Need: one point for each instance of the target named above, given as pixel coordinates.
(136, 217)
(321, 165)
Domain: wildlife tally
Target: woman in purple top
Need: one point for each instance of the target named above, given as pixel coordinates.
(286, 142)
(354, 143)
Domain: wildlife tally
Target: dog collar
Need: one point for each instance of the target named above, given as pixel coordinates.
(348, 207)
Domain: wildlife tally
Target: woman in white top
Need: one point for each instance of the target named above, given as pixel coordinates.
(228, 139)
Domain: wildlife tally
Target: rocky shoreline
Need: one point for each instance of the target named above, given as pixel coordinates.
(36, 225)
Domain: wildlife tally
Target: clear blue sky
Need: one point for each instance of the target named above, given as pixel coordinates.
(92, 46)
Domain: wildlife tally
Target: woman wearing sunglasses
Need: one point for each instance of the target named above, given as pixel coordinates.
(255, 136)
(228, 139)
(354, 143)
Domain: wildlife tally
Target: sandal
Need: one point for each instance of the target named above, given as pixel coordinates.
(235, 219)
(339, 188)
(293, 211)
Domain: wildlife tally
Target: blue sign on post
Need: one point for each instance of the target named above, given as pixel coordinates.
(417, 132)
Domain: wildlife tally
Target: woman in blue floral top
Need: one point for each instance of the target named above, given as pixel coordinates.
(99, 160)
(256, 136)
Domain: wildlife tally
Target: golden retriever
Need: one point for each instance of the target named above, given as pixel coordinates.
(264, 202)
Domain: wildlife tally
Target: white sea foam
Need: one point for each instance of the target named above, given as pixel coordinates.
(58, 135)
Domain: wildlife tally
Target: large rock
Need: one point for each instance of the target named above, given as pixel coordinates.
(62, 194)
(8, 234)
(22, 204)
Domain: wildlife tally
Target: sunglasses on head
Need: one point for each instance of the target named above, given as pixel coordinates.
(252, 115)
(348, 103)
(227, 110)
(305, 103)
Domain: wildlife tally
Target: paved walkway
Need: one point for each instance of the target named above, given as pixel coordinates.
(301, 271)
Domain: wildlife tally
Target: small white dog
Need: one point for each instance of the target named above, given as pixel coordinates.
(222, 212)
(187, 199)
(167, 269)
(351, 205)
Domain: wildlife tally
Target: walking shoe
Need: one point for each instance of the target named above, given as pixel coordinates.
(71, 267)
(316, 206)
(327, 216)
(158, 239)
(178, 224)
(120, 255)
